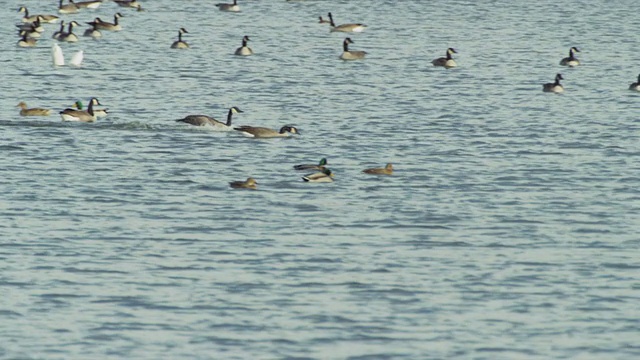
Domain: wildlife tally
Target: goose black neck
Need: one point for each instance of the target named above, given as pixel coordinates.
(229, 115)
(345, 46)
(244, 42)
(331, 20)
(90, 108)
(179, 36)
(115, 19)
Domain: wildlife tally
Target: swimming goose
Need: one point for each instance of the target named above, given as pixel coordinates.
(229, 7)
(350, 55)
(89, 4)
(69, 8)
(244, 50)
(387, 170)
(323, 21)
(203, 120)
(447, 62)
(323, 176)
(345, 27)
(97, 112)
(26, 41)
(262, 132)
(57, 34)
(103, 25)
(129, 3)
(33, 111)
(571, 59)
(31, 34)
(69, 36)
(320, 166)
(250, 183)
(179, 44)
(93, 32)
(32, 26)
(636, 85)
(43, 18)
(80, 115)
(555, 86)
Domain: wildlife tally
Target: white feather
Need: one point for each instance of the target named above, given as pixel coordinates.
(77, 58)
(56, 54)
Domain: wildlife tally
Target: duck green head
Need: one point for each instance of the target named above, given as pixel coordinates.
(327, 172)
(323, 162)
(78, 105)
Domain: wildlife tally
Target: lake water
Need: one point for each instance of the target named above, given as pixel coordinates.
(509, 229)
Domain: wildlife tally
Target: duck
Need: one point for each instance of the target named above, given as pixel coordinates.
(103, 25)
(447, 62)
(387, 170)
(203, 120)
(636, 85)
(244, 50)
(93, 32)
(320, 166)
(318, 177)
(80, 115)
(69, 36)
(69, 8)
(262, 132)
(89, 4)
(179, 44)
(555, 86)
(99, 113)
(229, 7)
(571, 59)
(43, 18)
(24, 111)
(345, 27)
(57, 34)
(350, 55)
(25, 40)
(250, 183)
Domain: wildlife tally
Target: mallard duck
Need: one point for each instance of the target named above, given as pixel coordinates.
(244, 50)
(320, 166)
(69, 36)
(387, 170)
(229, 7)
(103, 25)
(43, 18)
(447, 61)
(89, 4)
(80, 115)
(250, 183)
(262, 132)
(571, 59)
(636, 85)
(25, 40)
(97, 112)
(24, 111)
(350, 55)
(203, 120)
(323, 176)
(69, 8)
(555, 86)
(93, 32)
(179, 44)
(345, 27)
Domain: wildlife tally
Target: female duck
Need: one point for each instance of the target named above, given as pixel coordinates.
(636, 85)
(179, 44)
(69, 36)
(262, 132)
(323, 176)
(203, 120)
(244, 50)
(387, 170)
(447, 62)
(250, 183)
(80, 115)
(320, 166)
(24, 111)
(229, 7)
(350, 55)
(571, 59)
(555, 86)
(345, 27)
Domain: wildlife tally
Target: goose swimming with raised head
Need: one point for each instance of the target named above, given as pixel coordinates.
(344, 27)
(179, 44)
(69, 8)
(103, 25)
(555, 86)
(80, 115)
(25, 40)
(571, 60)
(89, 4)
(203, 120)
(447, 61)
(43, 18)
(636, 85)
(69, 36)
(350, 54)
(229, 7)
(244, 50)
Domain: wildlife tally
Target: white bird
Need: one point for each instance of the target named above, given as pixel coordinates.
(58, 57)
(76, 59)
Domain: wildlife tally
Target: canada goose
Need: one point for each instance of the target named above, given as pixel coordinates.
(244, 50)
(636, 85)
(323, 21)
(57, 34)
(203, 120)
(571, 59)
(69, 8)
(80, 115)
(323, 176)
(350, 55)
(250, 183)
(320, 166)
(97, 112)
(32, 26)
(26, 41)
(103, 25)
(93, 32)
(262, 132)
(89, 4)
(555, 86)
(447, 62)
(180, 44)
(43, 18)
(345, 27)
(387, 170)
(69, 36)
(31, 34)
(24, 111)
(128, 3)
(229, 7)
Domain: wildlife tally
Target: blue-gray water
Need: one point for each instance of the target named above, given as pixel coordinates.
(509, 229)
